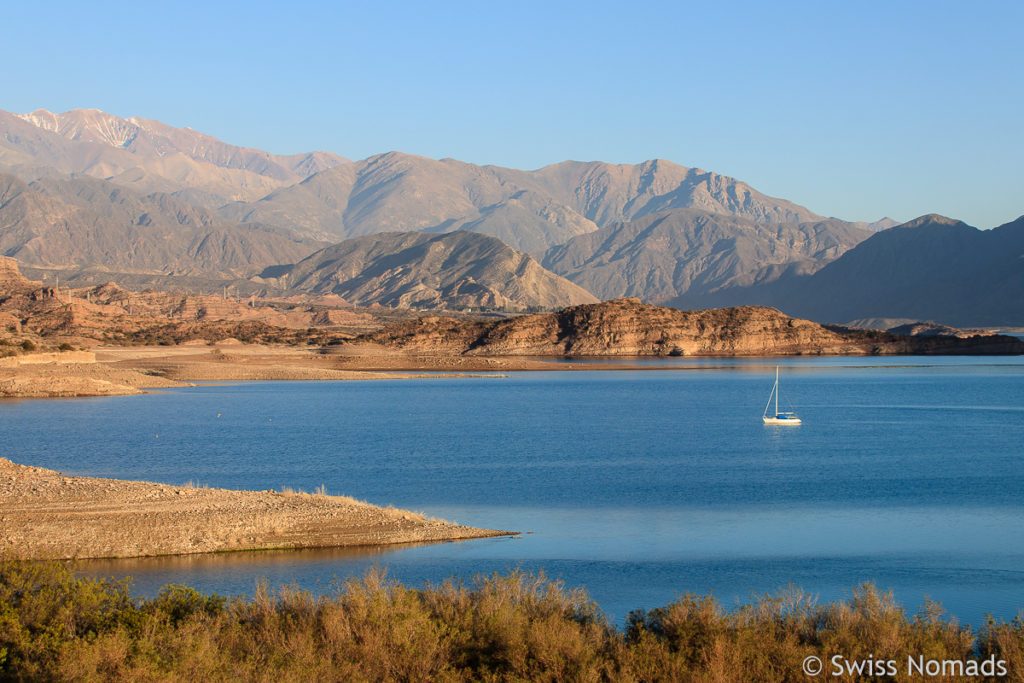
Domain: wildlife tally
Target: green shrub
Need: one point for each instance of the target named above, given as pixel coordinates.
(179, 602)
(28, 346)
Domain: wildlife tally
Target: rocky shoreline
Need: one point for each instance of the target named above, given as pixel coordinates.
(629, 327)
(47, 515)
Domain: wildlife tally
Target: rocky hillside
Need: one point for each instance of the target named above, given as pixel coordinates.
(627, 327)
(418, 270)
(11, 279)
(680, 255)
(32, 310)
(606, 193)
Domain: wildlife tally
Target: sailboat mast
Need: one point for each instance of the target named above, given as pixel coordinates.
(776, 391)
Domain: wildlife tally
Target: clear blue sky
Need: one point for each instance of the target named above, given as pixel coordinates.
(853, 109)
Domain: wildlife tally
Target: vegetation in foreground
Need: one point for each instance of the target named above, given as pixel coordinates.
(54, 626)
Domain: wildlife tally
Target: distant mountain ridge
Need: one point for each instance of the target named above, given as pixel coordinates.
(329, 197)
(147, 156)
(145, 136)
(178, 179)
(529, 210)
(605, 193)
(141, 136)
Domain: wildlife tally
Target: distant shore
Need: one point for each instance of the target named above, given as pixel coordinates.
(46, 515)
(123, 370)
(118, 371)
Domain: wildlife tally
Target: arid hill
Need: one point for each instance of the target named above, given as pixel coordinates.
(628, 327)
(39, 313)
(11, 279)
(458, 269)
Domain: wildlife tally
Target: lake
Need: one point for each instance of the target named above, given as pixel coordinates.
(637, 485)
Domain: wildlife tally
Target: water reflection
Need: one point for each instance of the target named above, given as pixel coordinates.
(237, 572)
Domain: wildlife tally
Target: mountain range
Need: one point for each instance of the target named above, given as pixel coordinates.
(529, 210)
(94, 195)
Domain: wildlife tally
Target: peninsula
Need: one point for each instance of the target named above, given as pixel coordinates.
(46, 515)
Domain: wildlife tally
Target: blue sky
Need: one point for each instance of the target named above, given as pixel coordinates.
(856, 110)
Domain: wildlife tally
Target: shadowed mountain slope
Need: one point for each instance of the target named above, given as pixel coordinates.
(932, 268)
(420, 270)
(683, 254)
(67, 222)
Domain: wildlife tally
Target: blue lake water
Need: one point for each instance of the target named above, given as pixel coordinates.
(638, 485)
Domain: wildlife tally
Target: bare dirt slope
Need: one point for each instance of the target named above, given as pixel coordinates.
(44, 514)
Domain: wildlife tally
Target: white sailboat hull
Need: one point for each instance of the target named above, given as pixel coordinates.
(788, 421)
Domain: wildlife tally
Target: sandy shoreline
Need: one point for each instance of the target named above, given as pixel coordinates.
(115, 371)
(46, 515)
(126, 370)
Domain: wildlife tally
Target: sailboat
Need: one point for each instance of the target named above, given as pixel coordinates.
(778, 418)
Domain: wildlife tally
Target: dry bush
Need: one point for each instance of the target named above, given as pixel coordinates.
(516, 627)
